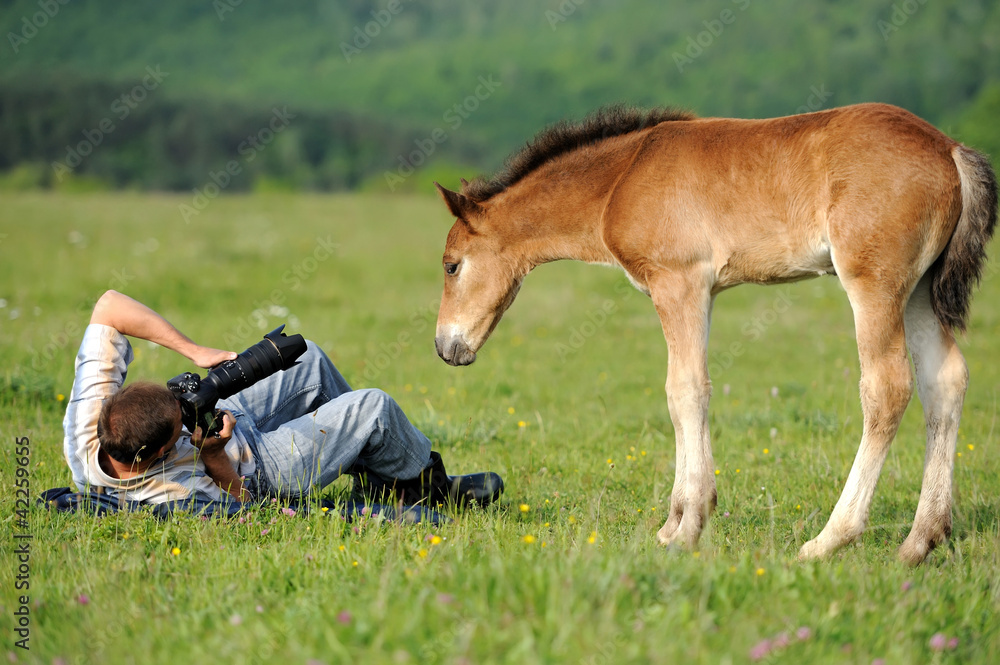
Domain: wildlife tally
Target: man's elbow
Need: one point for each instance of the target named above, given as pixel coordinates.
(104, 307)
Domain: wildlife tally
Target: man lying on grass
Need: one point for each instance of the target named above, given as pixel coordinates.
(290, 432)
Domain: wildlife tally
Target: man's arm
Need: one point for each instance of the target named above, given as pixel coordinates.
(217, 464)
(130, 317)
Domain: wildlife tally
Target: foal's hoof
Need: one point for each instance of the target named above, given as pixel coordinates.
(813, 550)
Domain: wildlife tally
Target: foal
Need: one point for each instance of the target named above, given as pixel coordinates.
(689, 207)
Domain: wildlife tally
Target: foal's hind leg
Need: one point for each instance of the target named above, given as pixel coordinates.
(942, 378)
(886, 387)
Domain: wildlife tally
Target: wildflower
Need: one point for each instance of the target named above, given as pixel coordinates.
(717, 472)
(83, 599)
(766, 451)
(878, 661)
(774, 432)
(571, 520)
(355, 564)
(798, 506)
(760, 571)
(938, 642)
(528, 539)
(726, 389)
(521, 423)
(342, 548)
(436, 540)
(510, 410)
(643, 453)
(451, 391)
(344, 617)
(971, 447)
(422, 553)
(288, 511)
(524, 507)
(760, 650)
(774, 391)
(593, 537)
(235, 620)
(725, 514)
(953, 644)
(737, 470)
(176, 551)
(408, 387)
(445, 598)
(907, 585)
(264, 532)
(324, 509)
(260, 609)
(60, 397)
(610, 461)
(781, 641)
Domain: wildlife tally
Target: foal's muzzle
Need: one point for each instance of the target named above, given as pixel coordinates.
(453, 350)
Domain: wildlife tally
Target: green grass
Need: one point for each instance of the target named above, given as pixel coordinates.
(556, 393)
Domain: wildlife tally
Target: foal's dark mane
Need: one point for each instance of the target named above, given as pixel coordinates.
(564, 137)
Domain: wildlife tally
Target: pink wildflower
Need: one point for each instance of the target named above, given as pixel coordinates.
(344, 617)
(760, 650)
(83, 599)
(804, 633)
(288, 511)
(938, 642)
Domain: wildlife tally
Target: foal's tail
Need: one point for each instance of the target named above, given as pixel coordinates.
(960, 265)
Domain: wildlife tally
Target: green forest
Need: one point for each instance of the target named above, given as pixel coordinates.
(387, 95)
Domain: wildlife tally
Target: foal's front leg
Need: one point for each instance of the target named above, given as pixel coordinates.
(684, 303)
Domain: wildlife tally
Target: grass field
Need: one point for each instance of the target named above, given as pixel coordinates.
(566, 402)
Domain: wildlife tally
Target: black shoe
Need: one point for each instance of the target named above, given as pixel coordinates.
(432, 487)
(482, 488)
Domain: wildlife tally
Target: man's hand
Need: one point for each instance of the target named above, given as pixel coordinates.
(217, 465)
(206, 357)
(217, 442)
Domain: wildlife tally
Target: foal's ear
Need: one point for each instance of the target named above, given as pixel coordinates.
(460, 205)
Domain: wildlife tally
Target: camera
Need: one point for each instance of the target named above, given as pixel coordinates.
(198, 396)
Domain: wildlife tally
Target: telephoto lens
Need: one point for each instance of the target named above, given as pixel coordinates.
(198, 396)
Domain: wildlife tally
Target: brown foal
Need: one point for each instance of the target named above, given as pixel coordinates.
(689, 207)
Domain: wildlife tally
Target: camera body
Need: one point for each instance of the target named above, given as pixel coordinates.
(198, 396)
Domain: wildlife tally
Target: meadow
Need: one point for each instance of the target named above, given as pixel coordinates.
(566, 402)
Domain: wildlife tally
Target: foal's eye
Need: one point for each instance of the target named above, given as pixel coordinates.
(451, 268)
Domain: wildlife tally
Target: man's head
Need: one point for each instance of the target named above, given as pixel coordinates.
(138, 421)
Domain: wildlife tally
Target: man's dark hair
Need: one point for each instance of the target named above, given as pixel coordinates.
(137, 421)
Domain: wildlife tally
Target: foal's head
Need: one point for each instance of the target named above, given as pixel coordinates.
(481, 277)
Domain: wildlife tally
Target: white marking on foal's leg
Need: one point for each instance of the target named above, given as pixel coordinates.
(942, 378)
(886, 386)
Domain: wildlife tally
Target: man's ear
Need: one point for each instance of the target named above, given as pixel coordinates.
(460, 205)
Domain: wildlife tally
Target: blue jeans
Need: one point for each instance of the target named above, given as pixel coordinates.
(306, 426)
